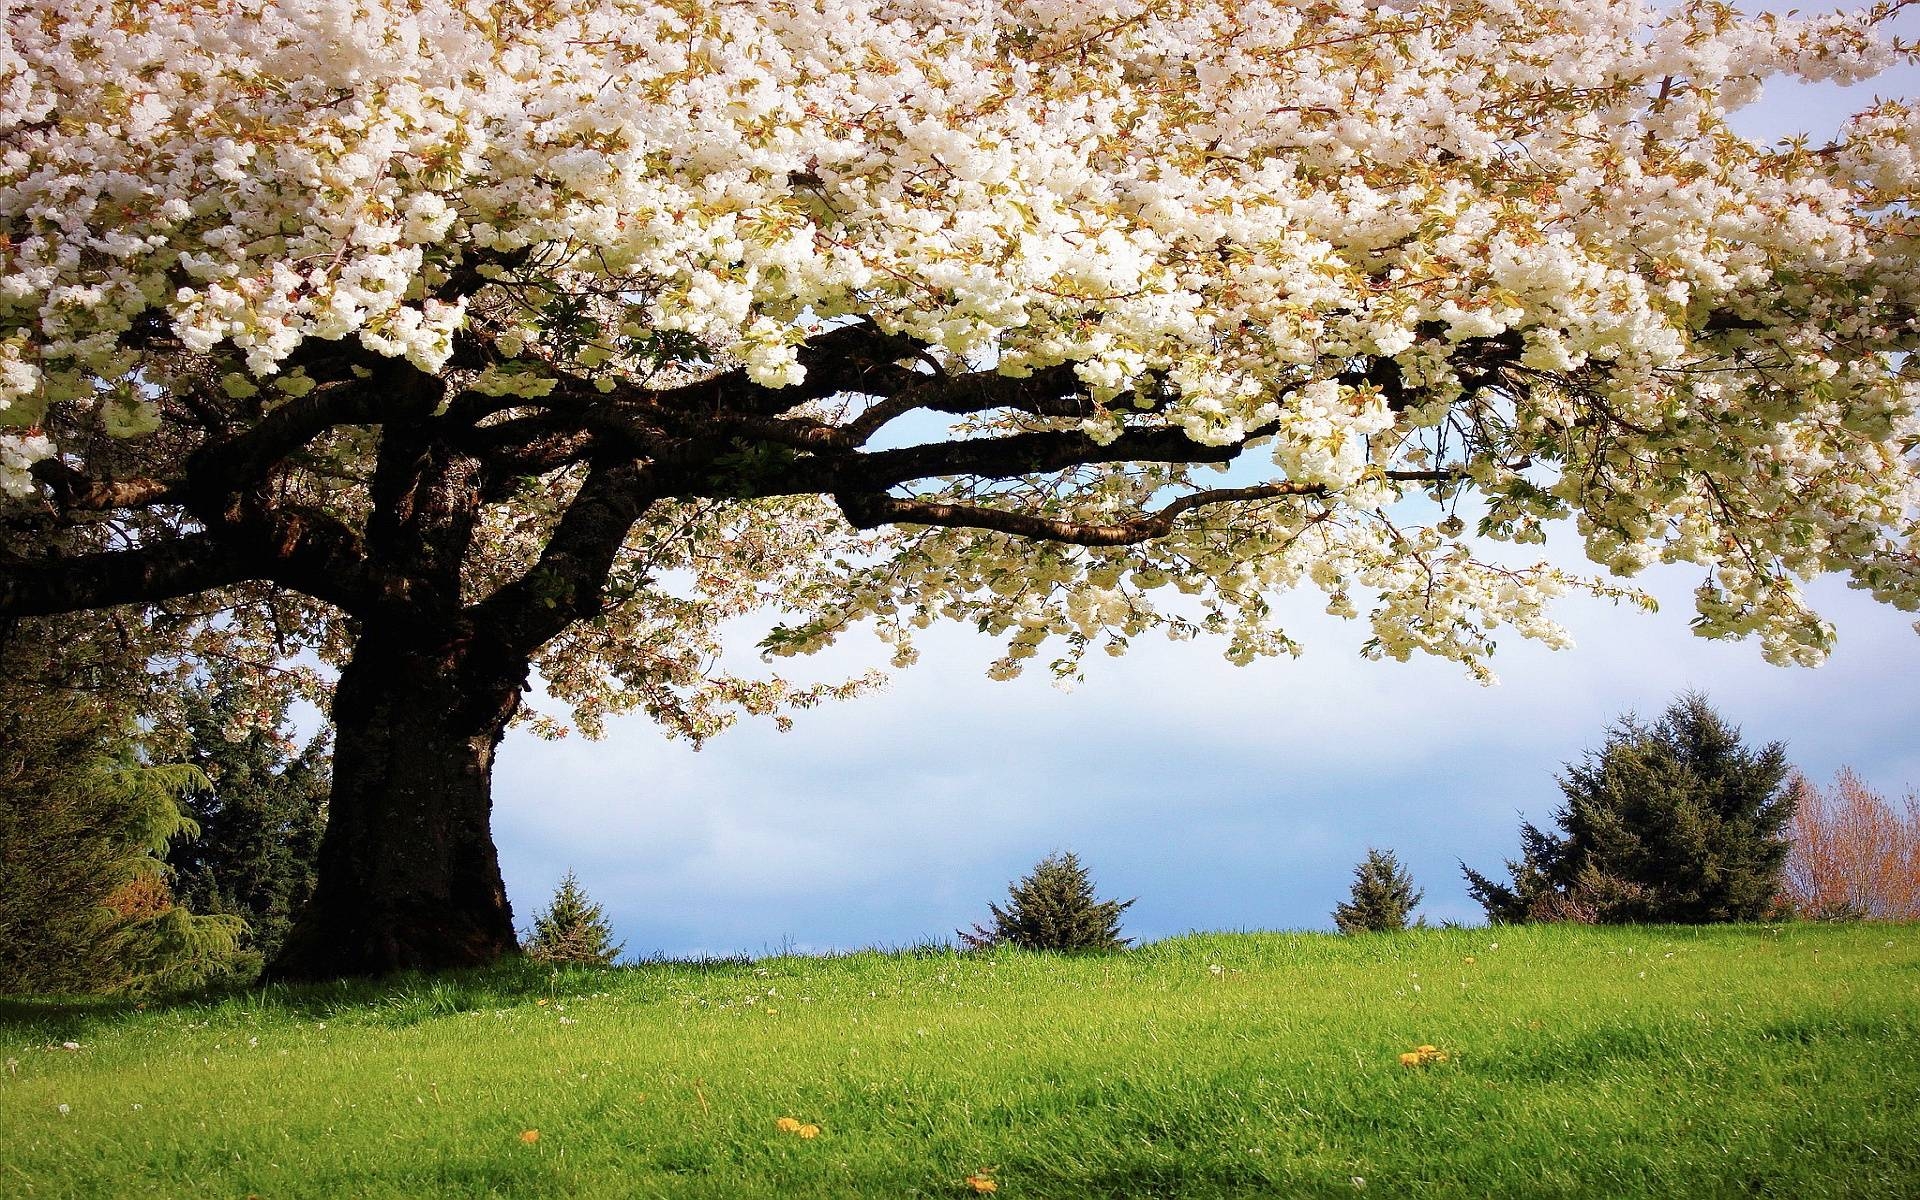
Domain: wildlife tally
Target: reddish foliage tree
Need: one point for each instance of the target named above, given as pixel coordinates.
(1854, 853)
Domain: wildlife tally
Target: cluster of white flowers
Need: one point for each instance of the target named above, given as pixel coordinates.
(18, 453)
(1235, 200)
(1324, 432)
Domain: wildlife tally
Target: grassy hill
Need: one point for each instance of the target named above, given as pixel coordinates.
(1672, 1062)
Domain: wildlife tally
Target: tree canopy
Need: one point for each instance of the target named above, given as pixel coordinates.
(450, 340)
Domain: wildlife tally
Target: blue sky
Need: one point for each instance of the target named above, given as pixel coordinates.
(1223, 797)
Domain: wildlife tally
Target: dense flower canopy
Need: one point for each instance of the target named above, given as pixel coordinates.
(1417, 275)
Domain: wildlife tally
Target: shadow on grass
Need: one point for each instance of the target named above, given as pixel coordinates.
(27, 1013)
(399, 999)
(404, 998)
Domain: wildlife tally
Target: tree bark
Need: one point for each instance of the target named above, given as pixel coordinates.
(408, 874)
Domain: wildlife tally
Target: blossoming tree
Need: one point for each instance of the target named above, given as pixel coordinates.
(472, 336)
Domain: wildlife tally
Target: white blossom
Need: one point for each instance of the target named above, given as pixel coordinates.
(1304, 230)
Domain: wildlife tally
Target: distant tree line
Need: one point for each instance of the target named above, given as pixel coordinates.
(1855, 854)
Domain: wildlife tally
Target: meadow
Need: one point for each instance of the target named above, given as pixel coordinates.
(1753, 1060)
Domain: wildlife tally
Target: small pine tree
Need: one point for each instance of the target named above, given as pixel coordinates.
(1053, 909)
(1383, 896)
(573, 930)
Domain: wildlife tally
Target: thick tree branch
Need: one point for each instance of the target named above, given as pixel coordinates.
(226, 473)
(568, 581)
(158, 571)
(848, 359)
(522, 447)
(1054, 392)
(1025, 453)
(307, 550)
(237, 464)
(542, 455)
(856, 358)
(227, 485)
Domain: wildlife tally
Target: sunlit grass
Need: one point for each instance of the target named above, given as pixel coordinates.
(1669, 1062)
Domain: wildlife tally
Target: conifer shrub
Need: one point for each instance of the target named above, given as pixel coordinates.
(1383, 896)
(1053, 908)
(89, 903)
(573, 930)
(84, 901)
(1676, 821)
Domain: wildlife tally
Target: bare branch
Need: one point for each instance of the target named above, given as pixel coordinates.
(869, 510)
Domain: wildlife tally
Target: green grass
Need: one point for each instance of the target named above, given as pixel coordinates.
(1669, 1062)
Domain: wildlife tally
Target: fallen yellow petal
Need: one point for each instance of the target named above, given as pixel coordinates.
(529, 1136)
(981, 1183)
(1410, 1059)
(808, 1131)
(787, 1125)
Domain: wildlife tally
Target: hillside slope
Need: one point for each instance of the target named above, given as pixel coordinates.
(1579, 1062)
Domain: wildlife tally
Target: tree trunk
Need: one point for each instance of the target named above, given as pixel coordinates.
(408, 874)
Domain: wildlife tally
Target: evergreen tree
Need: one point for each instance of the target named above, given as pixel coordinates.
(1383, 896)
(84, 901)
(262, 814)
(1053, 908)
(573, 930)
(1677, 821)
